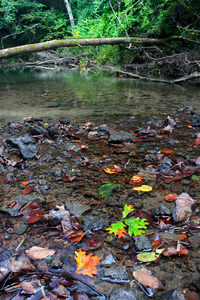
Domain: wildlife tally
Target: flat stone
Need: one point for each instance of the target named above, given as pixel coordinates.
(119, 136)
(195, 241)
(77, 209)
(92, 222)
(114, 273)
(142, 243)
(108, 261)
(126, 294)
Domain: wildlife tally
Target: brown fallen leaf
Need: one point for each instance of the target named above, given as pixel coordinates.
(28, 287)
(39, 253)
(184, 207)
(22, 263)
(144, 277)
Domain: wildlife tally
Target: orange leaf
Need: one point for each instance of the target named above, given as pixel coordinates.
(25, 182)
(137, 179)
(110, 171)
(197, 142)
(167, 151)
(28, 190)
(121, 233)
(170, 197)
(86, 264)
(182, 236)
(189, 127)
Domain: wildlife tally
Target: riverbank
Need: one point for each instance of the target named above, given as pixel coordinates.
(51, 167)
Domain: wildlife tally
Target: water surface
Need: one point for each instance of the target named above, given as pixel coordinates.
(67, 94)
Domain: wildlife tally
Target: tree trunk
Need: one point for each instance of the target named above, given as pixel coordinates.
(54, 44)
(71, 18)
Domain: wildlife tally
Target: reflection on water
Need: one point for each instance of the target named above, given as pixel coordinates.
(67, 94)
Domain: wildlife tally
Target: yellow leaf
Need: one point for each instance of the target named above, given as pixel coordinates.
(143, 188)
(110, 171)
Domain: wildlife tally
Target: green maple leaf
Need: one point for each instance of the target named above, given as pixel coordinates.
(127, 210)
(135, 226)
(115, 227)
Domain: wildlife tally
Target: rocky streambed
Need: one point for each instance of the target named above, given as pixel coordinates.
(51, 178)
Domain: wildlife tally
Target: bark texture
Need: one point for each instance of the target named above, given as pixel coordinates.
(54, 44)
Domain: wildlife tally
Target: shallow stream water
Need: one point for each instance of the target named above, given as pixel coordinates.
(67, 94)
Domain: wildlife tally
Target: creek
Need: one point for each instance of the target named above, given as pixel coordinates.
(68, 94)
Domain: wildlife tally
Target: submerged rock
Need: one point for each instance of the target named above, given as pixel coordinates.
(165, 165)
(141, 243)
(92, 223)
(77, 209)
(114, 273)
(171, 295)
(108, 261)
(126, 294)
(14, 206)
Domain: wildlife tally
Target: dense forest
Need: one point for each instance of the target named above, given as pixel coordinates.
(25, 22)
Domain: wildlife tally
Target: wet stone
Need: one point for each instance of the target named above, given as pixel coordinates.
(114, 273)
(37, 130)
(15, 141)
(14, 206)
(126, 294)
(120, 136)
(91, 222)
(77, 209)
(141, 243)
(162, 210)
(165, 165)
(171, 295)
(108, 261)
(195, 241)
(5, 254)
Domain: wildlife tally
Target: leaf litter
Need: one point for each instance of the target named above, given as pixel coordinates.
(63, 237)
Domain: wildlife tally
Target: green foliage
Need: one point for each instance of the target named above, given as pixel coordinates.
(135, 225)
(29, 21)
(116, 226)
(106, 189)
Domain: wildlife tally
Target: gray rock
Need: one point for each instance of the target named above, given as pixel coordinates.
(25, 144)
(142, 243)
(163, 210)
(114, 273)
(14, 206)
(91, 222)
(165, 165)
(120, 136)
(28, 151)
(71, 147)
(77, 209)
(15, 141)
(37, 130)
(108, 261)
(119, 293)
(171, 295)
(195, 241)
